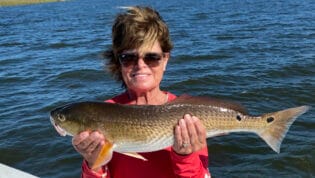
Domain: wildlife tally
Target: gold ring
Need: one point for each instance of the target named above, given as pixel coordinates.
(185, 144)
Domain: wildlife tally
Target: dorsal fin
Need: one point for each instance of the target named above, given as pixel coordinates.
(195, 100)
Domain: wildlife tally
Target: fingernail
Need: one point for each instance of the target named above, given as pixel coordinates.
(182, 122)
(95, 134)
(84, 134)
(187, 116)
(102, 143)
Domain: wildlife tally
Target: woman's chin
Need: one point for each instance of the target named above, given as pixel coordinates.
(141, 87)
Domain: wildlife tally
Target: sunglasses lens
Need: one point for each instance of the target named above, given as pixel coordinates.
(128, 59)
(152, 59)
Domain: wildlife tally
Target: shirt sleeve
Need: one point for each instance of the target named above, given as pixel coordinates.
(194, 165)
(89, 173)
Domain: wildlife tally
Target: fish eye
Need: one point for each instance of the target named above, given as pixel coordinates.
(62, 118)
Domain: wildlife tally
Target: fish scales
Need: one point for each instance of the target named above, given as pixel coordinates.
(145, 128)
(157, 123)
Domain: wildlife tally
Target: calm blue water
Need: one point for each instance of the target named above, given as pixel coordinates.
(259, 53)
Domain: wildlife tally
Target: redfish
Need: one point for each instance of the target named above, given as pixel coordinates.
(147, 128)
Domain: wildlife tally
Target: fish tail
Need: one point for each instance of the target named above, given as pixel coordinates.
(104, 156)
(278, 124)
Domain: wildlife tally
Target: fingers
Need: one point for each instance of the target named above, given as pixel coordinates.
(83, 141)
(178, 142)
(184, 131)
(200, 131)
(88, 144)
(87, 141)
(181, 141)
(193, 137)
(190, 135)
(77, 139)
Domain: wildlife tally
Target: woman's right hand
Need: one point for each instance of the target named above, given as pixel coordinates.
(89, 145)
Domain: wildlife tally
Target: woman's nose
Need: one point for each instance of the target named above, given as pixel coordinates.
(140, 62)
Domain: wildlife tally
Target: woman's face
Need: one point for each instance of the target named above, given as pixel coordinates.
(145, 73)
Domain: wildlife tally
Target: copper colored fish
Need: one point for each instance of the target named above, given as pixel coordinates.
(146, 128)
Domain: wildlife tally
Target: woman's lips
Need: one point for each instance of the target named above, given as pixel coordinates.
(140, 75)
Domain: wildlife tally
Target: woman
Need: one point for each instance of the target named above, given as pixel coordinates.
(138, 58)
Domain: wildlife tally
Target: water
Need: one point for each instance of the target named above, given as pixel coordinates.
(259, 53)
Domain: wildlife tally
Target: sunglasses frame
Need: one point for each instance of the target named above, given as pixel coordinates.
(131, 58)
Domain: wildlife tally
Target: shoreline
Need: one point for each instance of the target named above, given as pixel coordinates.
(4, 3)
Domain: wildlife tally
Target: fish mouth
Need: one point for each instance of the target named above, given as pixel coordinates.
(60, 130)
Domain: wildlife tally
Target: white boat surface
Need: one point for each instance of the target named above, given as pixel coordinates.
(10, 172)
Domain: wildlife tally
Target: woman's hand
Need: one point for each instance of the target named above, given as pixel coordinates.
(190, 135)
(89, 145)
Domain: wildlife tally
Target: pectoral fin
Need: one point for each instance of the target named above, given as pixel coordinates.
(105, 155)
(135, 155)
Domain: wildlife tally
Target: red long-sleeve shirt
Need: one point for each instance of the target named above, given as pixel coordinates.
(160, 164)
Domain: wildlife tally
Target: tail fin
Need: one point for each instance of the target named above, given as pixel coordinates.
(279, 124)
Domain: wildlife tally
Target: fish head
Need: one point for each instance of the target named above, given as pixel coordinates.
(65, 121)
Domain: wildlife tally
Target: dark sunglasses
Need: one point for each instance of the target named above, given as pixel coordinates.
(151, 59)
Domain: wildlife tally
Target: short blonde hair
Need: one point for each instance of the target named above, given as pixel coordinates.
(138, 27)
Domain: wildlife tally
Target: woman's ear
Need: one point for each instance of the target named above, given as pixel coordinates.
(165, 61)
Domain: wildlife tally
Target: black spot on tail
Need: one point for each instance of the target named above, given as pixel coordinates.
(270, 119)
(238, 117)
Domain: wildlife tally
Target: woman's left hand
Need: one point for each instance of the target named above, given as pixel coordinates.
(190, 135)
